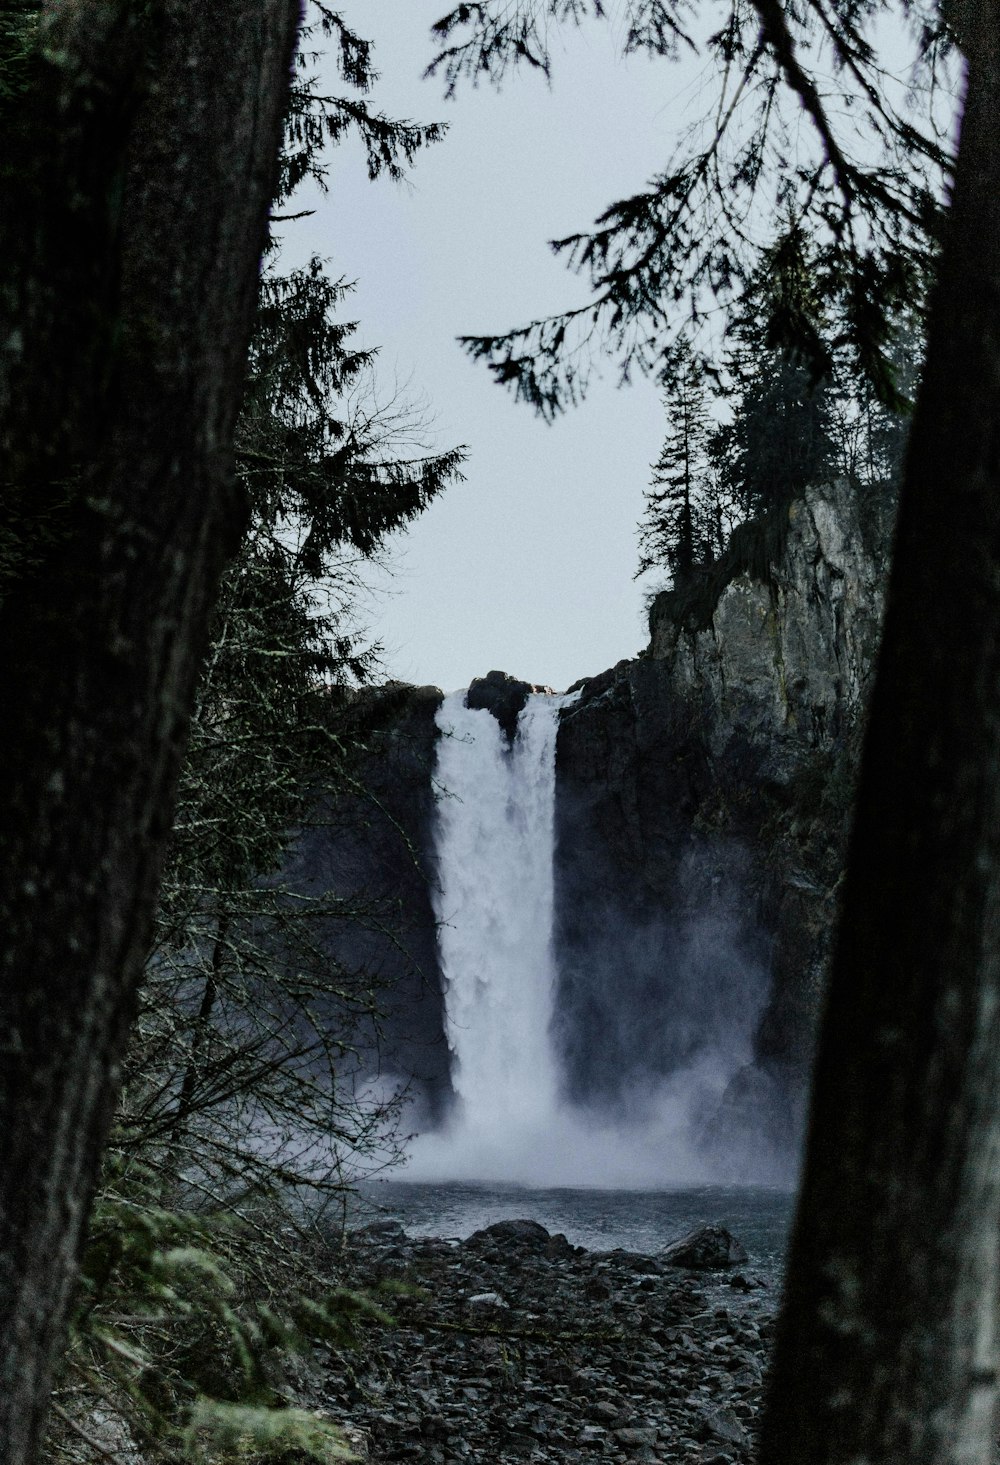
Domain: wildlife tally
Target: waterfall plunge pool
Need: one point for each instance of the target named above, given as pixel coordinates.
(601, 1220)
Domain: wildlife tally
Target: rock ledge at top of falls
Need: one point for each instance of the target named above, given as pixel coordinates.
(503, 695)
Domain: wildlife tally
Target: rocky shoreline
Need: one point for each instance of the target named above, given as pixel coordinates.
(513, 1345)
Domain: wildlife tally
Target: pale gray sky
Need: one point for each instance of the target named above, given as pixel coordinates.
(528, 565)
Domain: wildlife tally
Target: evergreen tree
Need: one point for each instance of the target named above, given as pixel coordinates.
(782, 435)
(244, 1065)
(245, 1096)
(131, 449)
(865, 182)
(675, 526)
(874, 434)
(237, 977)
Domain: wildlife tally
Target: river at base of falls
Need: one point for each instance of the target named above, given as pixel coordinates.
(601, 1220)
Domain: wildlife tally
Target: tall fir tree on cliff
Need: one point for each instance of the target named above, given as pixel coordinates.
(782, 435)
(674, 524)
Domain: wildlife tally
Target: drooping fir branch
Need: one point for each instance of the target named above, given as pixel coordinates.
(317, 118)
(863, 182)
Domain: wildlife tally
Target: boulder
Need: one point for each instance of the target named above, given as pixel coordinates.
(387, 1230)
(722, 1424)
(632, 1437)
(527, 1234)
(488, 1302)
(706, 1249)
(502, 695)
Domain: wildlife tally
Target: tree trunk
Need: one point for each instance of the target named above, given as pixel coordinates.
(887, 1342)
(133, 200)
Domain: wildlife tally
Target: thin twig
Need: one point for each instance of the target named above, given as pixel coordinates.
(84, 1434)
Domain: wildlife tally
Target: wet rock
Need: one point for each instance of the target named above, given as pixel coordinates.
(605, 1410)
(708, 1248)
(383, 1230)
(502, 1349)
(503, 695)
(722, 1424)
(487, 1302)
(742, 1283)
(632, 1438)
(596, 1289)
(514, 1233)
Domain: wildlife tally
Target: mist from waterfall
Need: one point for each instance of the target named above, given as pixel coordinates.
(494, 901)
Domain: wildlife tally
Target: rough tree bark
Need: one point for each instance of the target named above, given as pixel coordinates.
(887, 1342)
(133, 201)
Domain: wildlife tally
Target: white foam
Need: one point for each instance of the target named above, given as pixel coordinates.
(495, 840)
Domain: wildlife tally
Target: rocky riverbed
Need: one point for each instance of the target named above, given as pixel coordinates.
(513, 1345)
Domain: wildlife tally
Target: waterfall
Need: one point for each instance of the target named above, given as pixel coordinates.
(494, 903)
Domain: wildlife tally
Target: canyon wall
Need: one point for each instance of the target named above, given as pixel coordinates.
(704, 792)
(703, 795)
(371, 847)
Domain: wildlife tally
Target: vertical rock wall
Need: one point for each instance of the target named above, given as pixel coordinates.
(373, 849)
(703, 801)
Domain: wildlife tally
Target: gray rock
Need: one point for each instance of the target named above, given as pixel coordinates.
(383, 1230)
(459, 1380)
(632, 1438)
(708, 1248)
(502, 695)
(485, 1301)
(714, 774)
(722, 1424)
(605, 1410)
(522, 1233)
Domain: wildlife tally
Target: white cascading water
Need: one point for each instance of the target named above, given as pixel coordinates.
(495, 844)
(494, 903)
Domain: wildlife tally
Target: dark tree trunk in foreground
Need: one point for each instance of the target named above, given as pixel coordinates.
(134, 187)
(887, 1345)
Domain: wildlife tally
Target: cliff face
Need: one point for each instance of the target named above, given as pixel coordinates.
(703, 796)
(373, 849)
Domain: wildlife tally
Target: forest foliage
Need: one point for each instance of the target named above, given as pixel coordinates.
(739, 453)
(774, 277)
(244, 1114)
(235, 1037)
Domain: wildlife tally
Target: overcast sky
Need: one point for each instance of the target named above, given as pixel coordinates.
(528, 565)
